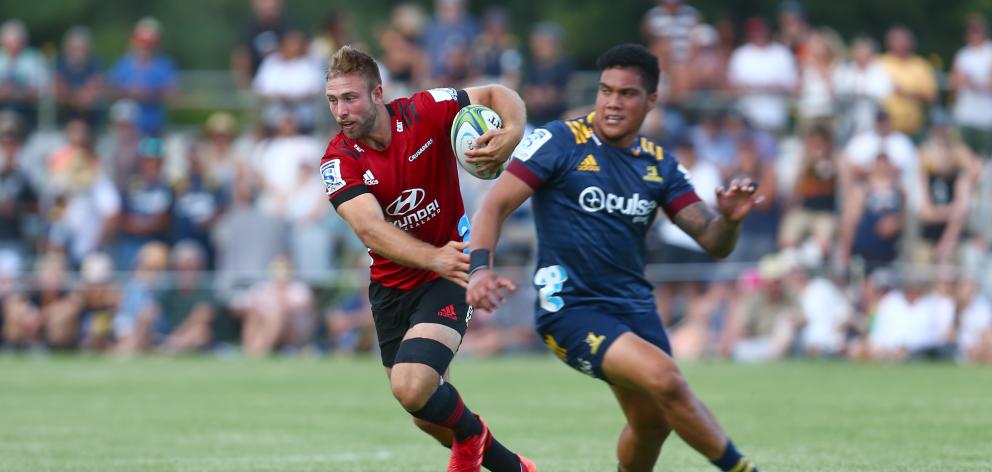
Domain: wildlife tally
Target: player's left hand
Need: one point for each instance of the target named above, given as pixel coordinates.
(736, 201)
(486, 290)
(492, 149)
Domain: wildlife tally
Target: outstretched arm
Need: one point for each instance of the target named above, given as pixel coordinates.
(365, 216)
(717, 230)
(484, 289)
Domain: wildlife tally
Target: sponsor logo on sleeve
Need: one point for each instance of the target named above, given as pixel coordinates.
(330, 171)
(443, 94)
(531, 144)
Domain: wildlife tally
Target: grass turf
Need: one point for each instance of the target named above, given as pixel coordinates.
(207, 414)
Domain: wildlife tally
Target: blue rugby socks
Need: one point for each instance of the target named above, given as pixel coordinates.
(733, 461)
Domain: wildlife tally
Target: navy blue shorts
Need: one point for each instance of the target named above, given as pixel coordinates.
(580, 336)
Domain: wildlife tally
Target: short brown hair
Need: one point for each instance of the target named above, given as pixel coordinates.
(349, 60)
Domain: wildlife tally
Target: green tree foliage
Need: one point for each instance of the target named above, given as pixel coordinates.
(200, 34)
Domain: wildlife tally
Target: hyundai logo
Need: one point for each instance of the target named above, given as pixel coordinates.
(408, 201)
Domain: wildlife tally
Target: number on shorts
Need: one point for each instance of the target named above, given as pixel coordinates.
(550, 279)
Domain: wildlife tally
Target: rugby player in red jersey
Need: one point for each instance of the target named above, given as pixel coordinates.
(391, 174)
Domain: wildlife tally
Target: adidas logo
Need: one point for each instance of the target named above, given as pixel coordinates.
(369, 178)
(589, 164)
(448, 312)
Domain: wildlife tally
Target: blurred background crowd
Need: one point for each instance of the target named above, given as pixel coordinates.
(124, 229)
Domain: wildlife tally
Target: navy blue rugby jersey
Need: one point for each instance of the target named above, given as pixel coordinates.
(593, 205)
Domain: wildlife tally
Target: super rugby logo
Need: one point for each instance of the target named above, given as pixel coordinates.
(594, 199)
(407, 212)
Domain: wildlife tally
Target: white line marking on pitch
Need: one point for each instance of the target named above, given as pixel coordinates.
(259, 462)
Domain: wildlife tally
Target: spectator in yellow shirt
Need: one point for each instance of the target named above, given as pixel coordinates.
(913, 78)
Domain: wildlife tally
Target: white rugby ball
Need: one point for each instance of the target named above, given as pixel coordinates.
(470, 123)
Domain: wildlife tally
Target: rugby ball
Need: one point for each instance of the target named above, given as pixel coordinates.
(470, 123)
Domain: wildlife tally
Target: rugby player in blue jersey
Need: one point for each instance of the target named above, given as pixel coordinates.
(597, 186)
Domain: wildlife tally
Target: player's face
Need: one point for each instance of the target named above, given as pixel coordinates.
(353, 104)
(621, 103)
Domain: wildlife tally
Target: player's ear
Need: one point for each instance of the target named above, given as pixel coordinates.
(652, 99)
(377, 94)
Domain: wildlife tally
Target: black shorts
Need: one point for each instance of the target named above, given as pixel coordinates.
(395, 311)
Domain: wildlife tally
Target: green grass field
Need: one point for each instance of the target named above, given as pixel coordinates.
(206, 414)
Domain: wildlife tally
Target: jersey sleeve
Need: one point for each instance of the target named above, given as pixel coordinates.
(541, 155)
(342, 177)
(678, 191)
(439, 105)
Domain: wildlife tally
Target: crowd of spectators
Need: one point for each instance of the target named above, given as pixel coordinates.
(121, 233)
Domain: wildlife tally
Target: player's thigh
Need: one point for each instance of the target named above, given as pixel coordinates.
(580, 336)
(439, 312)
(633, 362)
(643, 412)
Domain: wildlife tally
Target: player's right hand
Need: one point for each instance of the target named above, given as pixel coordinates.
(486, 290)
(451, 262)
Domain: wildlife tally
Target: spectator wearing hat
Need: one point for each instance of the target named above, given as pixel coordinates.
(118, 147)
(146, 76)
(18, 199)
(762, 325)
(221, 154)
(23, 72)
(913, 79)
(971, 77)
(546, 75)
(763, 75)
(147, 204)
(78, 77)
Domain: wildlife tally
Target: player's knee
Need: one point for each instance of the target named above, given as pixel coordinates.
(667, 384)
(411, 391)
